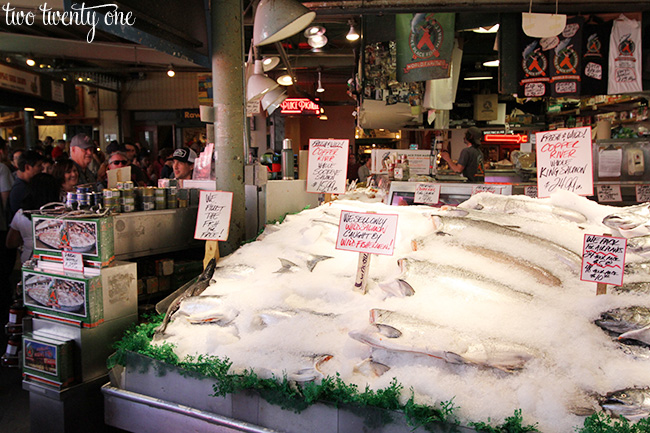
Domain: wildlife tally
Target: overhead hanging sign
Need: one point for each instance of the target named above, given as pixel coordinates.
(564, 161)
(327, 165)
(299, 106)
(19, 81)
(424, 45)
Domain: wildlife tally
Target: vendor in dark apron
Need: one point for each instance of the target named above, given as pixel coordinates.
(471, 158)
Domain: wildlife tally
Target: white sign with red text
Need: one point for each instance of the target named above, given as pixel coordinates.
(427, 193)
(367, 232)
(327, 165)
(603, 259)
(564, 161)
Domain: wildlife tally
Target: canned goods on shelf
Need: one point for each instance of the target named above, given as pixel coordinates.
(128, 185)
(128, 207)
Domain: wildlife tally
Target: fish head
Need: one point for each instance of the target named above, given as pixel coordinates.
(624, 220)
(631, 404)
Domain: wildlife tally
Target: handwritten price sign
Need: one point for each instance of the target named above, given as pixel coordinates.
(642, 193)
(213, 217)
(73, 261)
(428, 193)
(603, 259)
(564, 161)
(367, 233)
(327, 166)
(609, 193)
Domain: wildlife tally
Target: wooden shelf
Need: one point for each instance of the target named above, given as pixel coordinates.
(608, 107)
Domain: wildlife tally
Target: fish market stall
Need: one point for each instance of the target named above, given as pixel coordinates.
(479, 315)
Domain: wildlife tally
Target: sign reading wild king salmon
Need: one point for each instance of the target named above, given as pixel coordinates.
(367, 233)
(603, 259)
(327, 165)
(564, 162)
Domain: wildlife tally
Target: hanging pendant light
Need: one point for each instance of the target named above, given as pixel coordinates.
(279, 19)
(273, 99)
(352, 35)
(259, 84)
(320, 88)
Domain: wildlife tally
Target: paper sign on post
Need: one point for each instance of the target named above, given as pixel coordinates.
(213, 217)
(73, 261)
(603, 259)
(530, 191)
(642, 193)
(327, 165)
(428, 193)
(367, 233)
(564, 161)
(609, 193)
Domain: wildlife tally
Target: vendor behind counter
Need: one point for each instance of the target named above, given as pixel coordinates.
(470, 162)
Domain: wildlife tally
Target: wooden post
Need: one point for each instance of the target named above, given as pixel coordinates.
(363, 269)
(211, 251)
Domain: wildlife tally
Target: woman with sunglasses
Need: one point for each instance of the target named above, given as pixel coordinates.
(66, 175)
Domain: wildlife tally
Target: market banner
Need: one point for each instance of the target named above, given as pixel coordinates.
(595, 55)
(565, 59)
(424, 45)
(534, 69)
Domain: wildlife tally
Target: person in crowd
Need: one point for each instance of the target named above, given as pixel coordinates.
(183, 163)
(7, 255)
(167, 170)
(48, 164)
(41, 190)
(148, 168)
(81, 153)
(353, 167)
(364, 170)
(59, 151)
(14, 155)
(159, 163)
(470, 161)
(30, 164)
(137, 175)
(97, 160)
(66, 176)
(117, 160)
(48, 145)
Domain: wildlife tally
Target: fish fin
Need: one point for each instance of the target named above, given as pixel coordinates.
(311, 264)
(642, 335)
(287, 266)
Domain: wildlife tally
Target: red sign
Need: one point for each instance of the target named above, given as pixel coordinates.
(507, 138)
(299, 106)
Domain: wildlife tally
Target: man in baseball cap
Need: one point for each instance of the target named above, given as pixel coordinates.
(81, 153)
(184, 158)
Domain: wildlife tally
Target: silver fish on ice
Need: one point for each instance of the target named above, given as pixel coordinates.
(632, 404)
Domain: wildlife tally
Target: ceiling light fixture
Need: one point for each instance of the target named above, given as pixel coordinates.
(352, 35)
(478, 76)
(30, 61)
(258, 83)
(278, 19)
(285, 80)
(270, 63)
(317, 42)
(38, 117)
(50, 113)
(314, 31)
(487, 29)
(491, 63)
(30, 109)
(320, 88)
(170, 71)
(273, 99)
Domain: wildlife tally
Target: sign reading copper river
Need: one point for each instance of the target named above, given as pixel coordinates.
(327, 166)
(564, 161)
(79, 15)
(367, 233)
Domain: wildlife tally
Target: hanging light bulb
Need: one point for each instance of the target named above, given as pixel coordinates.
(30, 61)
(320, 88)
(285, 80)
(352, 35)
(170, 71)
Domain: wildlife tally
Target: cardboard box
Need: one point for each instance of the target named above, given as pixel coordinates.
(92, 237)
(78, 299)
(486, 107)
(151, 285)
(48, 360)
(164, 267)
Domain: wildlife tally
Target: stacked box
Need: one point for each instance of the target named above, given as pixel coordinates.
(48, 360)
(92, 237)
(78, 299)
